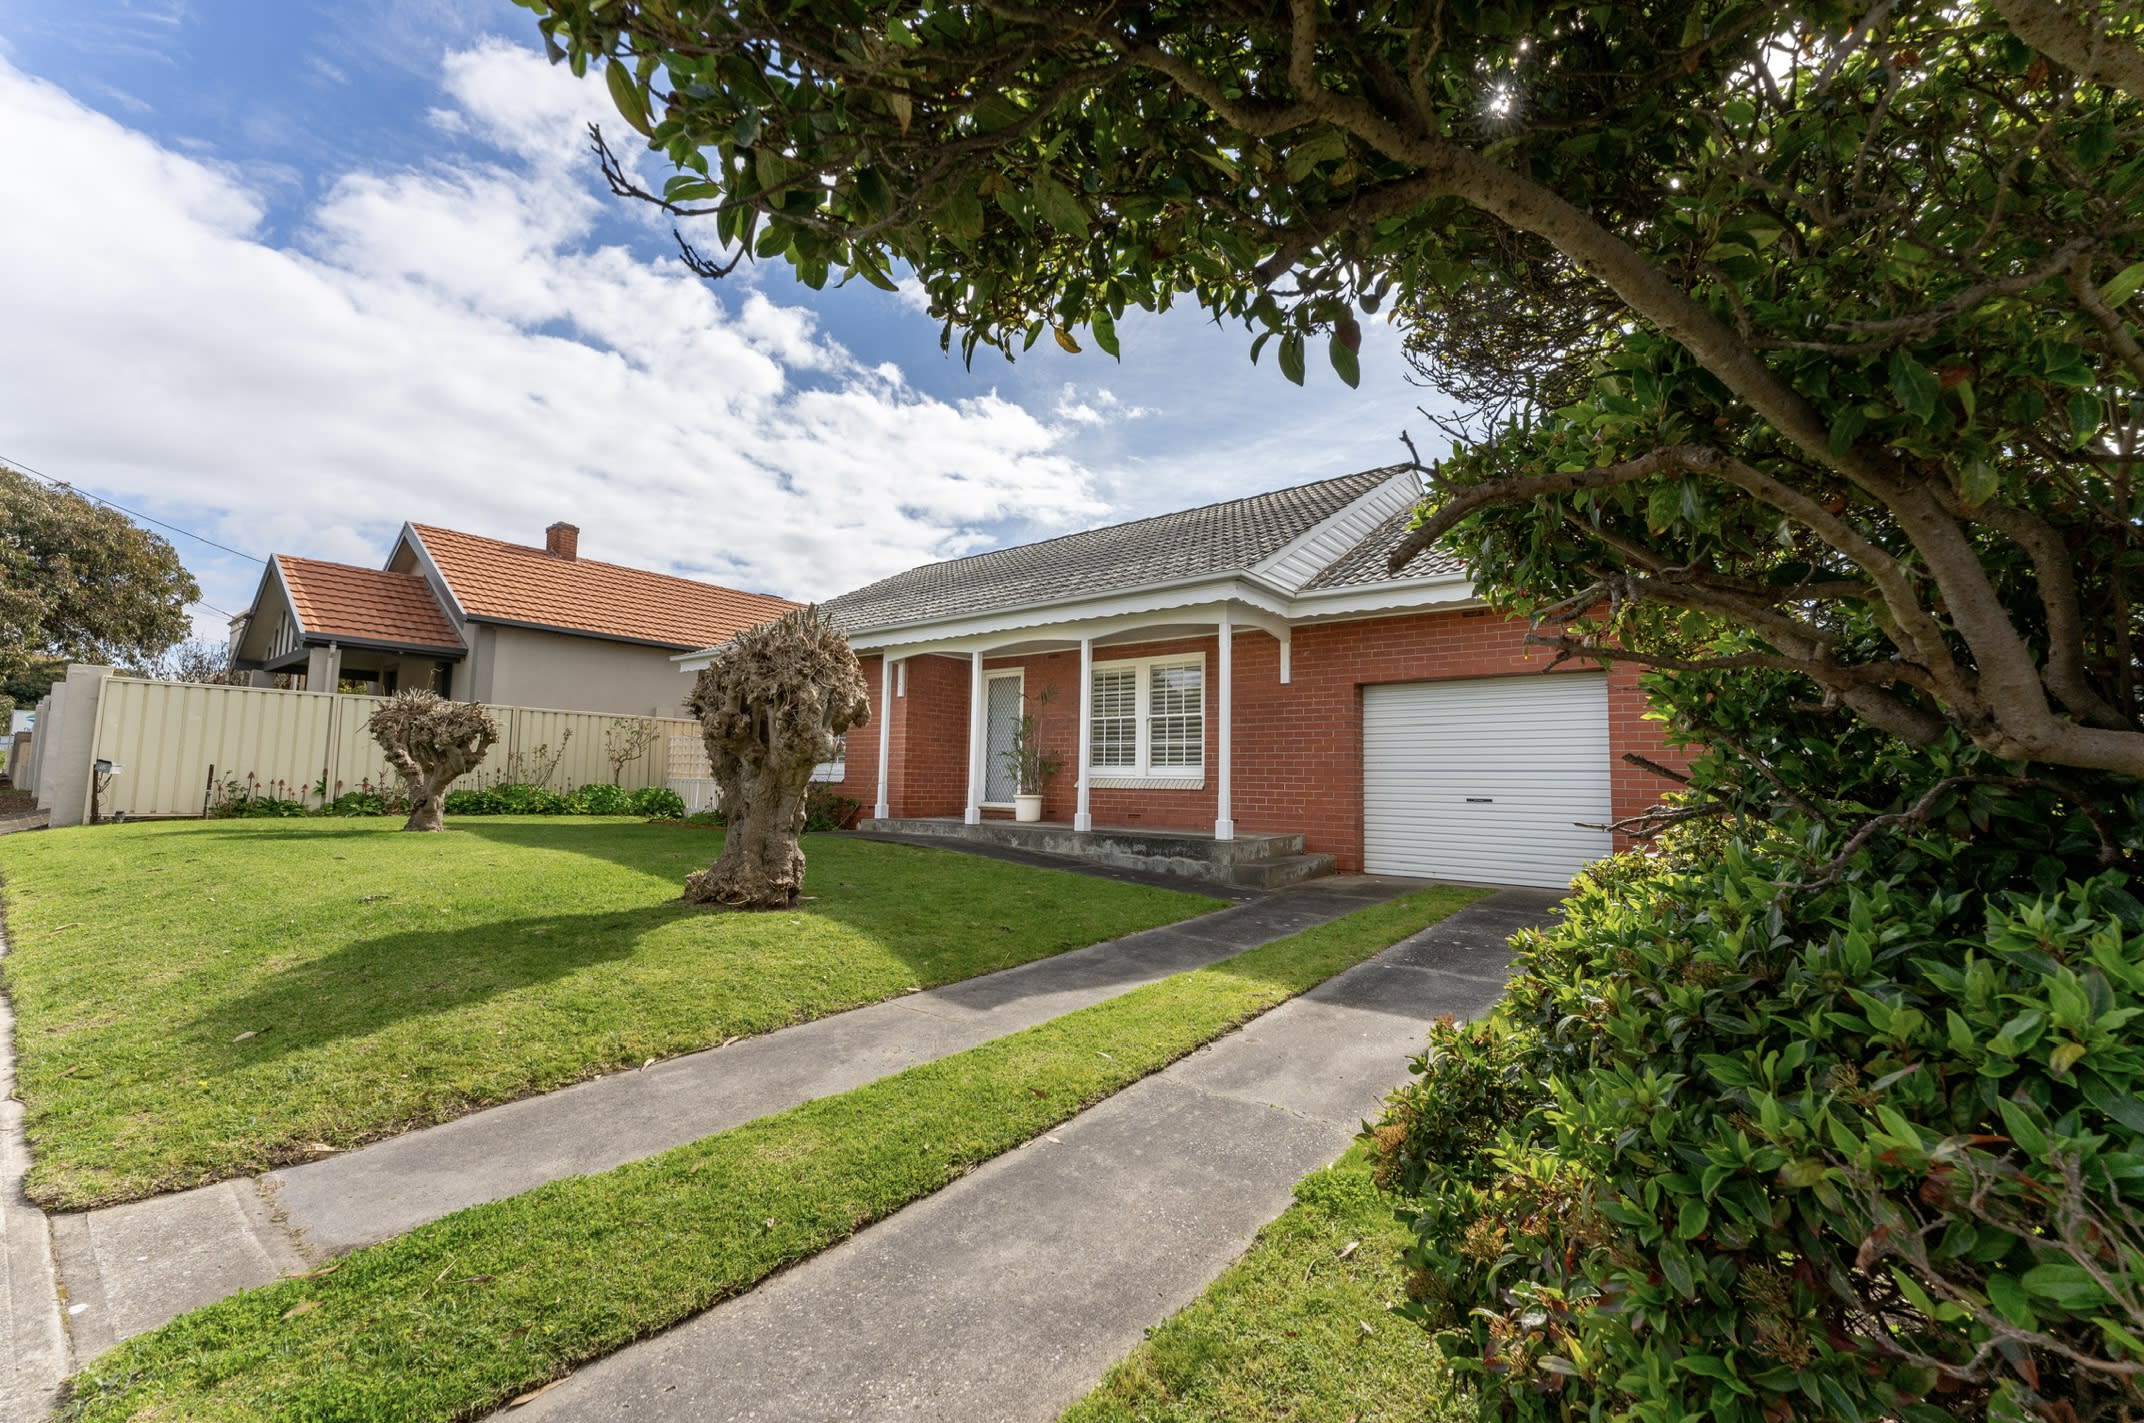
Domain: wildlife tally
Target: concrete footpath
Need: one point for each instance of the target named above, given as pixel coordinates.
(126, 1269)
(1005, 1296)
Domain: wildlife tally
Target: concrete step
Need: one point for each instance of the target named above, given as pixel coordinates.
(1258, 860)
(1276, 874)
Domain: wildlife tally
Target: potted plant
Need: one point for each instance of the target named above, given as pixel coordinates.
(1031, 766)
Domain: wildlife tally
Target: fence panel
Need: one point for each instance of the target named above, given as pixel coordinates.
(168, 735)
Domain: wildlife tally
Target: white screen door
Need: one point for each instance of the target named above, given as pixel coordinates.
(1001, 721)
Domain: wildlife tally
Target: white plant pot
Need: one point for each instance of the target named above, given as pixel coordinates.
(1027, 808)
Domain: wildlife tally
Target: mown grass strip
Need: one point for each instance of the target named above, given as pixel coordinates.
(1296, 1331)
(465, 1313)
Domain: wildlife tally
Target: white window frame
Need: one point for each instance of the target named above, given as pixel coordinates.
(836, 771)
(1145, 775)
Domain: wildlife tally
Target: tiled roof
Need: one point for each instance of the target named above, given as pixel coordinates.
(1365, 563)
(343, 600)
(1213, 540)
(518, 583)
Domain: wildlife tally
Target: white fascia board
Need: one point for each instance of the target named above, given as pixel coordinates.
(1197, 601)
(437, 579)
(275, 566)
(1332, 538)
(1435, 594)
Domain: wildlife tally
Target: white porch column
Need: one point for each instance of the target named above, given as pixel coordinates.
(974, 815)
(1224, 813)
(884, 808)
(1081, 820)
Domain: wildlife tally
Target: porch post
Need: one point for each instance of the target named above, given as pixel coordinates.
(884, 808)
(974, 814)
(1081, 820)
(1224, 822)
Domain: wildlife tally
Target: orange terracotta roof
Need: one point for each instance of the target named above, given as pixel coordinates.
(518, 583)
(343, 600)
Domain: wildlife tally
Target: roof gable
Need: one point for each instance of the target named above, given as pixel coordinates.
(342, 600)
(504, 582)
(1214, 540)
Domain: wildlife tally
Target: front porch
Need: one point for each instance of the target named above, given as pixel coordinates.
(1250, 861)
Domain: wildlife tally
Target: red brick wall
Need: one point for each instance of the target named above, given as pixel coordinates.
(1298, 748)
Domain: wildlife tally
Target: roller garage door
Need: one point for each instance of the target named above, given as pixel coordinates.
(1482, 780)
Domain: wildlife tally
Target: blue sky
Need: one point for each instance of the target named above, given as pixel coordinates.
(289, 272)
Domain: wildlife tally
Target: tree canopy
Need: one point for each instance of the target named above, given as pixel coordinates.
(79, 581)
(1796, 336)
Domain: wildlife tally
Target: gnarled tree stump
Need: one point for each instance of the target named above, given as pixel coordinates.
(431, 742)
(772, 705)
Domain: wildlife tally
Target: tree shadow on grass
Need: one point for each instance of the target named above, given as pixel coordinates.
(370, 983)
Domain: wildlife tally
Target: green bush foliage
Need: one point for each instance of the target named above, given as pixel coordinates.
(522, 799)
(827, 809)
(245, 798)
(1761, 1135)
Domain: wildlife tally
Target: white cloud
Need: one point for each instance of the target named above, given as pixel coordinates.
(457, 344)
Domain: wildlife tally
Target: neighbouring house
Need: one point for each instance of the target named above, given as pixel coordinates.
(486, 620)
(1247, 671)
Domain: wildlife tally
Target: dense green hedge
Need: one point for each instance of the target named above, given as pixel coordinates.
(654, 802)
(659, 802)
(1741, 1146)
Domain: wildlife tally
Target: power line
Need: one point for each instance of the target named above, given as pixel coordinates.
(58, 483)
(130, 513)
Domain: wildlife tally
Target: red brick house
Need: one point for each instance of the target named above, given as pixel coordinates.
(1249, 671)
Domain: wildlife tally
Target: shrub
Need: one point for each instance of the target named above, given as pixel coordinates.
(600, 799)
(351, 803)
(656, 803)
(1738, 1149)
(827, 809)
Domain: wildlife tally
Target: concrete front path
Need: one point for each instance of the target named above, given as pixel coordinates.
(1005, 1296)
(127, 1269)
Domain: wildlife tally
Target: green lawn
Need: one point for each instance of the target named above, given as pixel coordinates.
(1296, 1331)
(198, 1000)
(465, 1313)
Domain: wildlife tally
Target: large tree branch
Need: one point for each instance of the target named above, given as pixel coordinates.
(2057, 32)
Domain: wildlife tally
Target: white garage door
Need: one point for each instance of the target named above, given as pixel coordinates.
(1482, 780)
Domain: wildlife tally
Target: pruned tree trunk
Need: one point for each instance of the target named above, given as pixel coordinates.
(772, 706)
(431, 742)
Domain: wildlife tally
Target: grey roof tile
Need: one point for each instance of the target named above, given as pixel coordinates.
(1212, 540)
(1365, 563)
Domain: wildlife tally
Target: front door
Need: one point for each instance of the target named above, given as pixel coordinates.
(1001, 723)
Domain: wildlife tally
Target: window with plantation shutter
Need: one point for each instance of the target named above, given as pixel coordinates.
(1116, 718)
(1176, 724)
(1148, 721)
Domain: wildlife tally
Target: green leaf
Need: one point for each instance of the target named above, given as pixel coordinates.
(2123, 284)
(2086, 413)
(1847, 429)
(2008, 1297)
(625, 93)
(1691, 1220)
(1104, 328)
(1344, 360)
(1291, 356)
(1915, 386)
(1058, 207)
(961, 215)
(1978, 483)
(2070, 1286)
(1803, 1173)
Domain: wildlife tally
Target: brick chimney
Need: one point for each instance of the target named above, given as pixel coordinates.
(562, 540)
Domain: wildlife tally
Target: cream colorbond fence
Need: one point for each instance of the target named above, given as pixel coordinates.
(176, 743)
